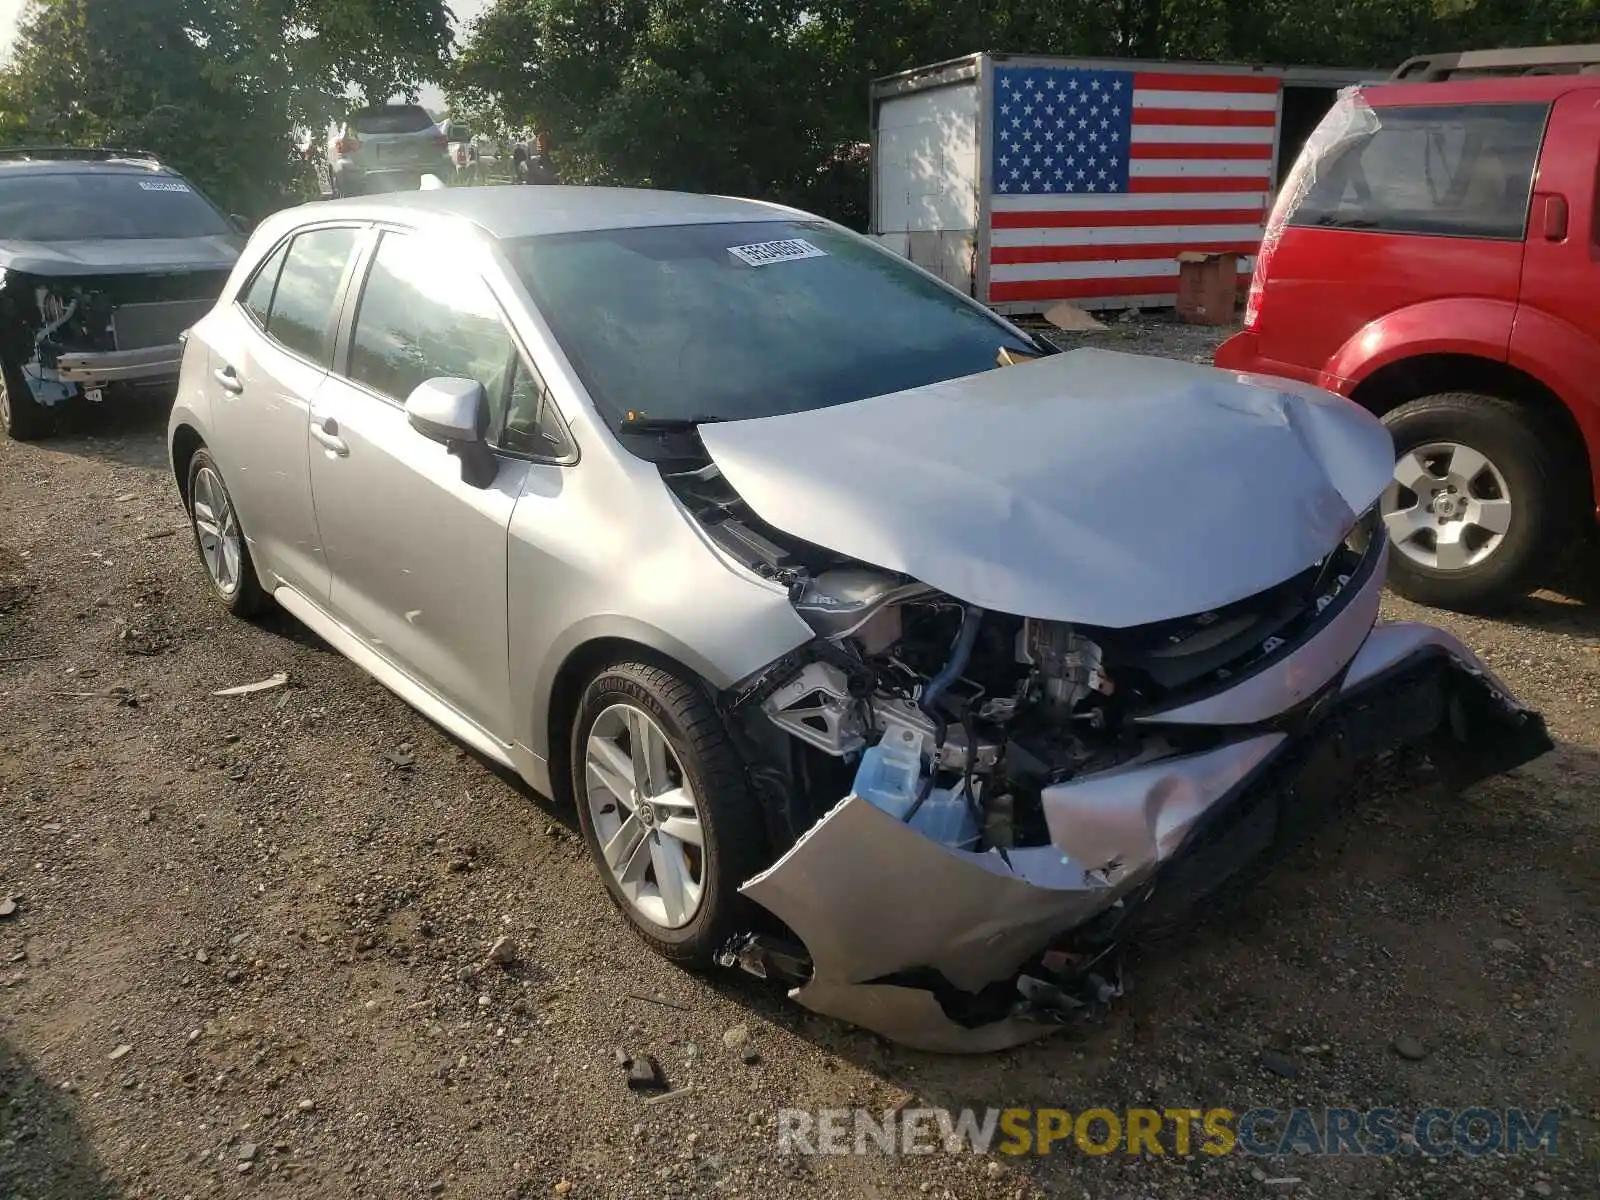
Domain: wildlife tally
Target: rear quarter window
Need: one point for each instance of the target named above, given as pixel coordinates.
(1449, 170)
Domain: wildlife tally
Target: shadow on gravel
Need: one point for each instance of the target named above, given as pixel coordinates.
(130, 432)
(44, 1154)
(279, 623)
(1571, 604)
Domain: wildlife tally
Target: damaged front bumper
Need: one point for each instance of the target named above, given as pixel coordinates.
(948, 950)
(149, 365)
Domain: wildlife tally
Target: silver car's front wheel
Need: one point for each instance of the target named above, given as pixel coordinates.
(645, 816)
(666, 808)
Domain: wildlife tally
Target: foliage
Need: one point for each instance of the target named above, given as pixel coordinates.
(215, 89)
(763, 97)
(755, 97)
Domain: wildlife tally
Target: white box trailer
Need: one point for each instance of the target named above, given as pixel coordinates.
(1025, 180)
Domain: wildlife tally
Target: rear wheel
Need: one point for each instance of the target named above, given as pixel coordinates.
(23, 418)
(220, 540)
(664, 808)
(1476, 503)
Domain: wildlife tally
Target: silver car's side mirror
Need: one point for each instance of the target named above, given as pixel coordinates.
(453, 411)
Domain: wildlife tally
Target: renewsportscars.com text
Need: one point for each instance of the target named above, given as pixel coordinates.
(1432, 1132)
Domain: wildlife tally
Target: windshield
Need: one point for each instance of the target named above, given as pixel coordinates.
(61, 207)
(748, 319)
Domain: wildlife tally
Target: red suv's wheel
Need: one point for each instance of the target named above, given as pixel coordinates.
(1475, 502)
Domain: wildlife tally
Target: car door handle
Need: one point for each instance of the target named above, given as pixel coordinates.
(327, 433)
(1555, 218)
(229, 380)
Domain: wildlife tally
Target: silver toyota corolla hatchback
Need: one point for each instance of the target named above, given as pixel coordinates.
(881, 648)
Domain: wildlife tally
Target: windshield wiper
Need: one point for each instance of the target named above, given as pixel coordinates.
(640, 423)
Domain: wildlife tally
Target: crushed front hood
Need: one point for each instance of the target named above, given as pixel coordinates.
(1102, 488)
(111, 256)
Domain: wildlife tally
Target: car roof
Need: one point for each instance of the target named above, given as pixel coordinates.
(513, 212)
(1483, 90)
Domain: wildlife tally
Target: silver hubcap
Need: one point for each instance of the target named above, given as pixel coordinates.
(218, 531)
(1448, 507)
(645, 817)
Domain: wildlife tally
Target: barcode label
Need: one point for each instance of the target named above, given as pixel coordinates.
(764, 254)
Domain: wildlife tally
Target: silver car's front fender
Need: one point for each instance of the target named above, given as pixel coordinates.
(604, 551)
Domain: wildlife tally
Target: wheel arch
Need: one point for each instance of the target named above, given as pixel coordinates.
(1420, 375)
(186, 442)
(567, 685)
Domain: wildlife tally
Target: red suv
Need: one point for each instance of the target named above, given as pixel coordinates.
(1435, 256)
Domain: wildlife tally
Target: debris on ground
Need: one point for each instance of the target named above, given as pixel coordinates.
(1071, 318)
(1280, 1064)
(1410, 1048)
(261, 685)
(644, 1073)
(677, 1094)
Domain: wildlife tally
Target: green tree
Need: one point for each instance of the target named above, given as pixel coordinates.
(670, 93)
(215, 89)
(764, 97)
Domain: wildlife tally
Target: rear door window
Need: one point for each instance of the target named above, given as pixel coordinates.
(1452, 170)
(302, 315)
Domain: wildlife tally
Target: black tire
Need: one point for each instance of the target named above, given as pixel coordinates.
(1526, 454)
(22, 417)
(247, 598)
(735, 841)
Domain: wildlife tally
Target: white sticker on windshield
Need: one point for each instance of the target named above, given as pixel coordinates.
(763, 254)
(163, 185)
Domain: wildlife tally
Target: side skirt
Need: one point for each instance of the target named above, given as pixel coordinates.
(397, 681)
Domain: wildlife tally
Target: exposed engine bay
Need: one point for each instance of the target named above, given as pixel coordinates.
(1011, 799)
(955, 719)
(80, 333)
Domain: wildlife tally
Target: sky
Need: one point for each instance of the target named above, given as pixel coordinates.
(465, 11)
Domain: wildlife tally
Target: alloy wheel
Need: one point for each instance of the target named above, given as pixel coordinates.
(1448, 506)
(217, 530)
(645, 816)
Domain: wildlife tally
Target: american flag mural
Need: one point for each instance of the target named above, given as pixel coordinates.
(1100, 178)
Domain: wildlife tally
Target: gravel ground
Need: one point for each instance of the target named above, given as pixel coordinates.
(248, 951)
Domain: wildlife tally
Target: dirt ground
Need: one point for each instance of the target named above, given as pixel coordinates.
(247, 955)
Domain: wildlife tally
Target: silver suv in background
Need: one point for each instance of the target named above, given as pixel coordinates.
(387, 148)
